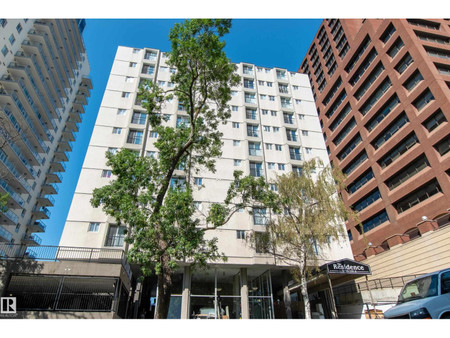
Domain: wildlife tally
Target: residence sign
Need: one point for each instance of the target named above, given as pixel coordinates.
(348, 267)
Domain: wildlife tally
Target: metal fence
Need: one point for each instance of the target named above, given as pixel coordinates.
(380, 283)
(65, 253)
(53, 293)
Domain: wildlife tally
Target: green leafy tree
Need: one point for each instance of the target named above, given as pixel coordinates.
(311, 216)
(146, 195)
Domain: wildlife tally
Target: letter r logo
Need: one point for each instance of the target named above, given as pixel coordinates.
(8, 305)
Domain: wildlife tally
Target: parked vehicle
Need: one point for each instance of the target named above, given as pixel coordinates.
(425, 297)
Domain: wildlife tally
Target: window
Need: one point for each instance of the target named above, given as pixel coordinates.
(295, 87)
(291, 135)
(297, 170)
(285, 102)
(265, 111)
(121, 111)
(417, 196)
(362, 69)
(234, 108)
(434, 120)
(236, 143)
(398, 150)
(359, 52)
(273, 187)
(148, 69)
(178, 183)
(413, 80)
(248, 83)
(234, 93)
(270, 165)
(390, 130)
(164, 69)
(396, 46)
(198, 181)
(116, 236)
(3, 22)
(260, 83)
(278, 147)
(4, 50)
(240, 234)
(259, 216)
(305, 132)
(161, 83)
(237, 163)
(126, 94)
(360, 181)
(273, 113)
(301, 116)
(151, 154)
(360, 158)
(170, 84)
(344, 132)
(288, 118)
(308, 150)
(404, 63)
(153, 134)
(12, 39)
(336, 104)
(183, 121)
(438, 53)
(433, 38)
(116, 130)
(247, 70)
(106, 173)
(424, 98)
(349, 147)
(181, 107)
(297, 101)
(375, 97)
(367, 200)
(266, 128)
(133, 64)
(387, 33)
(276, 129)
(172, 71)
(135, 136)
(150, 55)
(271, 98)
(138, 118)
(254, 149)
(269, 146)
(407, 172)
(294, 153)
(281, 166)
(383, 112)
(369, 81)
(94, 227)
(350, 237)
(252, 130)
(250, 114)
(262, 96)
(19, 28)
(269, 84)
(443, 146)
(112, 150)
(249, 98)
(136, 50)
(373, 222)
(256, 169)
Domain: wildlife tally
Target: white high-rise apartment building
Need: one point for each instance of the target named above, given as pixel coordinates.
(273, 128)
(43, 88)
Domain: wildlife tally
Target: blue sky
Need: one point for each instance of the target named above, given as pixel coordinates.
(264, 42)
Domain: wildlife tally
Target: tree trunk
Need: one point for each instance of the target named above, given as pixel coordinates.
(164, 289)
(304, 291)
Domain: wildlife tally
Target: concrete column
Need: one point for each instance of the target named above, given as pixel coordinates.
(186, 293)
(245, 309)
(286, 294)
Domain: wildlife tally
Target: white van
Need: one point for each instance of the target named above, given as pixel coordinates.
(425, 297)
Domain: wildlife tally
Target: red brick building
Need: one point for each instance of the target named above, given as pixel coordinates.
(382, 92)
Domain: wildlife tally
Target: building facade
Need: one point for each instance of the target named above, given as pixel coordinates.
(272, 130)
(381, 89)
(43, 88)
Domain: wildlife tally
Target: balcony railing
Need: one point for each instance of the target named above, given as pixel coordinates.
(15, 196)
(31, 239)
(5, 235)
(115, 241)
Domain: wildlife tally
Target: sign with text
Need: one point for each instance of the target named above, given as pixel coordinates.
(348, 267)
(7, 305)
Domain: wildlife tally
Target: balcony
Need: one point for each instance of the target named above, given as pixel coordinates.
(81, 99)
(45, 201)
(5, 235)
(68, 135)
(57, 167)
(74, 115)
(31, 240)
(37, 226)
(41, 213)
(65, 145)
(54, 177)
(8, 217)
(15, 196)
(85, 81)
(61, 156)
(51, 189)
(255, 152)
